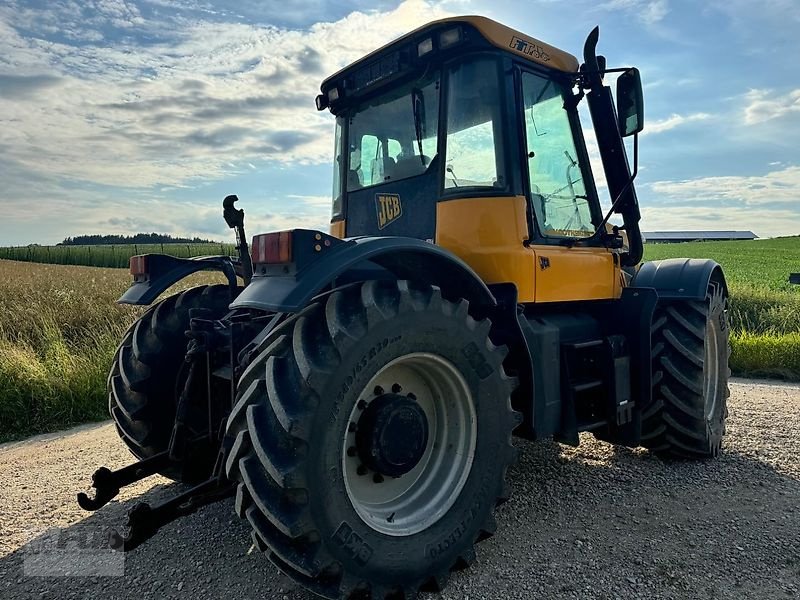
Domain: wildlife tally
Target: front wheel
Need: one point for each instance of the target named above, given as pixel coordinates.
(372, 438)
(690, 350)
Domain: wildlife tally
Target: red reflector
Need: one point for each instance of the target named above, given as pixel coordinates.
(139, 265)
(272, 248)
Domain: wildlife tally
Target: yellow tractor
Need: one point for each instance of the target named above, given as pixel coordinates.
(357, 391)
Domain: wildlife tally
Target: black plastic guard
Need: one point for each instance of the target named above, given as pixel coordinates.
(679, 278)
(164, 271)
(400, 257)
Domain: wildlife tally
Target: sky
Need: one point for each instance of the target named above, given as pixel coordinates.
(125, 116)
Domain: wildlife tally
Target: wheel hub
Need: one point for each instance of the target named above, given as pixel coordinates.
(392, 435)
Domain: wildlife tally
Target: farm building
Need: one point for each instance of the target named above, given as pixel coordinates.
(667, 237)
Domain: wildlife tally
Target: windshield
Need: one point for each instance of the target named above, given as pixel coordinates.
(394, 136)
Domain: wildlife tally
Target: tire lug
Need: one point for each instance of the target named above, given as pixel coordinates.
(396, 389)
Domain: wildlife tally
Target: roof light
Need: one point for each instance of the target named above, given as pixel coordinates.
(333, 95)
(450, 37)
(272, 248)
(321, 102)
(138, 265)
(424, 47)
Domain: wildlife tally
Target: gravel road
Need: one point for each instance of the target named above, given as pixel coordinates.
(587, 522)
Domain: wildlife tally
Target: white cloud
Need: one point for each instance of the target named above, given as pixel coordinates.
(780, 186)
(765, 105)
(181, 100)
(763, 222)
(671, 122)
(649, 12)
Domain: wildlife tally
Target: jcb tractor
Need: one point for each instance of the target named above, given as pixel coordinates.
(357, 391)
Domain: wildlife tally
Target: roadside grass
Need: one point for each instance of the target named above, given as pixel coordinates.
(59, 328)
(60, 325)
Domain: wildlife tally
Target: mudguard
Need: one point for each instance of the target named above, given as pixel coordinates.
(164, 271)
(291, 287)
(679, 278)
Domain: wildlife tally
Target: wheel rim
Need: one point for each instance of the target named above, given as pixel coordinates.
(415, 500)
(710, 370)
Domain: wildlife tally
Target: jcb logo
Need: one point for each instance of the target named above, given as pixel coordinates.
(388, 207)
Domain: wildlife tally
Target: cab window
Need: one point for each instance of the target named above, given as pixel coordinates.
(557, 188)
(395, 136)
(473, 127)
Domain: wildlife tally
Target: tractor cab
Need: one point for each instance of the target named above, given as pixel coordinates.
(462, 109)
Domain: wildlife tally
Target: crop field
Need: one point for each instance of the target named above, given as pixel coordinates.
(59, 327)
(108, 256)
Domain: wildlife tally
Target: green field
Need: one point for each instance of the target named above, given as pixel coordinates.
(59, 326)
(764, 308)
(108, 256)
(759, 264)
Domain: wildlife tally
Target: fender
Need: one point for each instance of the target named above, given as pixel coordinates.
(679, 278)
(290, 288)
(163, 271)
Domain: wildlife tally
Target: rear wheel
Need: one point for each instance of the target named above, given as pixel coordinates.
(372, 438)
(690, 378)
(146, 375)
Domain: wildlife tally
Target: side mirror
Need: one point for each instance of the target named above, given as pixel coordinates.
(630, 103)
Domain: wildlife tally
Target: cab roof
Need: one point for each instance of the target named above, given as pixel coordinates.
(497, 34)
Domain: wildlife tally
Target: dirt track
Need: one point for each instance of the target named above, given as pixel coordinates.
(590, 522)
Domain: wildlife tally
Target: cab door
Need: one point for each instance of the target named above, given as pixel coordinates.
(563, 201)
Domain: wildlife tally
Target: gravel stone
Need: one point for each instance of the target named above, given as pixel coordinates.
(589, 522)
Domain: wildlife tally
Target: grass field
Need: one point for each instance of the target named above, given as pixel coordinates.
(108, 256)
(765, 307)
(59, 326)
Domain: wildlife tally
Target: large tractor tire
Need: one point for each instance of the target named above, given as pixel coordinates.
(147, 375)
(690, 350)
(372, 438)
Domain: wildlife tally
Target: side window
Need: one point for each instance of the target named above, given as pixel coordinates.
(473, 127)
(558, 192)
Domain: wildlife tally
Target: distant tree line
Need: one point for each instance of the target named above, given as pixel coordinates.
(139, 238)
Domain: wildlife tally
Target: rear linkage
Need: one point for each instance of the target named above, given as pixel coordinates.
(206, 337)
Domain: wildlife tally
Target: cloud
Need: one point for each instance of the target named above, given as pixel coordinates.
(25, 87)
(765, 105)
(142, 96)
(763, 222)
(776, 187)
(649, 12)
(671, 122)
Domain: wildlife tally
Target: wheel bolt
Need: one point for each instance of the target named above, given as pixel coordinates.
(361, 405)
(377, 478)
(351, 451)
(411, 396)
(361, 470)
(396, 389)
(378, 390)
(352, 427)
